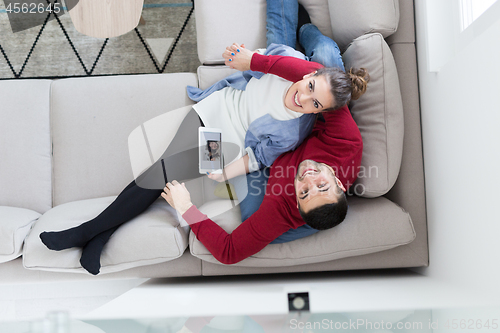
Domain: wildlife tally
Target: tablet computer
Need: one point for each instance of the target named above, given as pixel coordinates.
(210, 150)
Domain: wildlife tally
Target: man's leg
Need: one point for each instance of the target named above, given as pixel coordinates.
(319, 48)
(281, 22)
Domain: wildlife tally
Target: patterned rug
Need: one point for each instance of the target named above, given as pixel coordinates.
(164, 42)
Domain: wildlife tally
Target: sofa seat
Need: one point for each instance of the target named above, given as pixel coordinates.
(152, 237)
(371, 225)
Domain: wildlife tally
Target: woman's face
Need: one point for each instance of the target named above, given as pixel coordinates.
(309, 95)
(214, 145)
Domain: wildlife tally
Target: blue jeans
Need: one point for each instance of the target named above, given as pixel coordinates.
(319, 48)
(281, 25)
(281, 22)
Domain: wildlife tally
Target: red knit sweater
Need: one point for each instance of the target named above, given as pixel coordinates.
(335, 142)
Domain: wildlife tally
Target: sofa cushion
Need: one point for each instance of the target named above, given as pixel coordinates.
(15, 224)
(354, 18)
(153, 237)
(371, 225)
(25, 148)
(378, 114)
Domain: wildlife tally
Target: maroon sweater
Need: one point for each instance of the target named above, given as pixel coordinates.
(335, 142)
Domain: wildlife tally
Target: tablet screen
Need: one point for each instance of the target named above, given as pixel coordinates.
(210, 150)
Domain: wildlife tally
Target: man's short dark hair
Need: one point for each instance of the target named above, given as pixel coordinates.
(326, 216)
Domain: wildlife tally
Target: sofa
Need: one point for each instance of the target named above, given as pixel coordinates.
(69, 146)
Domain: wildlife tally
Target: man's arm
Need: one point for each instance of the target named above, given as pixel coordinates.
(248, 238)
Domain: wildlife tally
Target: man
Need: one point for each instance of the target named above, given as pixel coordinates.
(305, 186)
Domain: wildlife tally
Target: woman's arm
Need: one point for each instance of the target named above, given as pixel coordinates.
(237, 168)
(290, 68)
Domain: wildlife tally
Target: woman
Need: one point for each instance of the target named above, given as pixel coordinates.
(290, 97)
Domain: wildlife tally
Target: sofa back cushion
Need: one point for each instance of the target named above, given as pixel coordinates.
(354, 18)
(92, 119)
(378, 114)
(218, 29)
(241, 22)
(25, 150)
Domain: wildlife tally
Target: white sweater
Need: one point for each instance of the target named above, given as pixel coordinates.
(232, 110)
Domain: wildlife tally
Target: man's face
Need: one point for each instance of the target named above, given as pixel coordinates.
(316, 185)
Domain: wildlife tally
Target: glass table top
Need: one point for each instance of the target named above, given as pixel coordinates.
(476, 319)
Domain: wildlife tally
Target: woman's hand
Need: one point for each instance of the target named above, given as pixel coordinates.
(238, 57)
(216, 176)
(177, 196)
(236, 168)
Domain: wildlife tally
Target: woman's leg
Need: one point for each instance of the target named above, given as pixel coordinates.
(319, 48)
(132, 201)
(281, 22)
(135, 199)
(91, 252)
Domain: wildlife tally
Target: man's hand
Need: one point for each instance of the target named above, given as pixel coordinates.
(238, 57)
(177, 196)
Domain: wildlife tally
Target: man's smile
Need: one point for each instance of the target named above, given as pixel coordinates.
(308, 171)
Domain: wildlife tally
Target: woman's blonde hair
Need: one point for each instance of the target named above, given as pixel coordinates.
(345, 86)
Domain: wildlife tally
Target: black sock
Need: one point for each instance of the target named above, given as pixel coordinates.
(91, 254)
(132, 201)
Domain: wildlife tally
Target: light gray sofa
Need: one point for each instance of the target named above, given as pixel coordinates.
(66, 147)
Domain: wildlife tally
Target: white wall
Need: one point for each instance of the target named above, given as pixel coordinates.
(461, 140)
